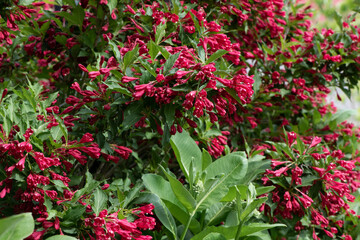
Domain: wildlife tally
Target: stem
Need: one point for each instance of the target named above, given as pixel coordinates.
(187, 226)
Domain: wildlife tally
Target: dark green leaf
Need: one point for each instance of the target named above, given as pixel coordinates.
(170, 62)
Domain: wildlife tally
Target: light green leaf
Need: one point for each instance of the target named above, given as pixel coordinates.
(16, 227)
(160, 32)
(61, 237)
(181, 193)
(257, 227)
(220, 175)
(186, 150)
(100, 199)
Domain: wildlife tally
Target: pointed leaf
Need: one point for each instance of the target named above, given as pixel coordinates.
(181, 193)
(100, 199)
(219, 53)
(232, 169)
(186, 150)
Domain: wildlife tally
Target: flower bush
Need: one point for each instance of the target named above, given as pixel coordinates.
(176, 120)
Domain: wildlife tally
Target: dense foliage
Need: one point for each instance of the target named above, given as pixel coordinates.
(176, 120)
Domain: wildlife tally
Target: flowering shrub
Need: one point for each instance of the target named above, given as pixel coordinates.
(182, 120)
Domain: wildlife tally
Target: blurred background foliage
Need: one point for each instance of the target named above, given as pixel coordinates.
(331, 14)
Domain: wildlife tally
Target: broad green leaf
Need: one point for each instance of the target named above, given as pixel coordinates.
(161, 211)
(100, 200)
(183, 217)
(227, 232)
(159, 186)
(227, 171)
(186, 150)
(61, 237)
(16, 227)
(214, 236)
(219, 53)
(160, 32)
(170, 62)
(181, 193)
(217, 213)
(257, 227)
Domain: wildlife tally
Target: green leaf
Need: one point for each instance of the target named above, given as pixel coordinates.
(16, 227)
(116, 51)
(164, 52)
(219, 53)
(186, 150)
(61, 237)
(159, 186)
(160, 210)
(56, 133)
(132, 114)
(153, 50)
(74, 214)
(220, 175)
(170, 62)
(169, 112)
(257, 227)
(100, 200)
(112, 5)
(160, 33)
(217, 213)
(251, 207)
(206, 159)
(214, 236)
(148, 67)
(76, 17)
(130, 57)
(181, 193)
